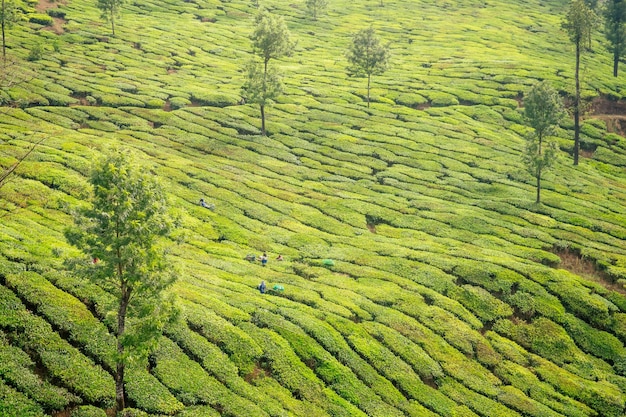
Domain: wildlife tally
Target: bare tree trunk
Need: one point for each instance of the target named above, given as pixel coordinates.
(539, 169)
(121, 328)
(369, 76)
(577, 106)
(538, 185)
(112, 21)
(262, 119)
(4, 44)
(119, 380)
(615, 62)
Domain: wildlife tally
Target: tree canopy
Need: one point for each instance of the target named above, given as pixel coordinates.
(579, 22)
(367, 56)
(315, 7)
(271, 38)
(110, 10)
(9, 15)
(120, 232)
(543, 109)
(615, 30)
(261, 87)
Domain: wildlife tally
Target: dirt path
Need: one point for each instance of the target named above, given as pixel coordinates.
(43, 6)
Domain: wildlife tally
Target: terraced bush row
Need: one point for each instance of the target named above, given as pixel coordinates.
(408, 233)
(63, 362)
(19, 370)
(15, 404)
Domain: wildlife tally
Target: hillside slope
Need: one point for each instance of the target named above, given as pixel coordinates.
(419, 277)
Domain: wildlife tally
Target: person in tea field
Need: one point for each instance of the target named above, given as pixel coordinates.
(206, 205)
(262, 287)
(264, 259)
(279, 257)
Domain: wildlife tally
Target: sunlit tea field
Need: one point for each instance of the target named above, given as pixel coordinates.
(420, 277)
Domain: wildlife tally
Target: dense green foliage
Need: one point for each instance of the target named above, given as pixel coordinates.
(543, 109)
(120, 233)
(615, 30)
(419, 277)
(367, 56)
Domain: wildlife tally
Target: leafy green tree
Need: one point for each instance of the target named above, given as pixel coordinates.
(315, 7)
(261, 87)
(579, 23)
(9, 15)
(543, 109)
(615, 30)
(110, 10)
(121, 231)
(271, 38)
(367, 56)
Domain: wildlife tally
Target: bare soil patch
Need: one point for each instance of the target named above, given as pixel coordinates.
(612, 112)
(57, 22)
(574, 262)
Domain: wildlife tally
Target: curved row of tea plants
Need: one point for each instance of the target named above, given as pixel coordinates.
(419, 278)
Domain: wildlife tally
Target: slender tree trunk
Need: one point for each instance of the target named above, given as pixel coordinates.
(4, 44)
(121, 327)
(369, 76)
(539, 168)
(577, 106)
(538, 185)
(112, 21)
(617, 52)
(119, 380)
(262, 106)
(262, 119)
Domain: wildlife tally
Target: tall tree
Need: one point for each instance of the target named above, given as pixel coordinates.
(270, 40)
(122, 231)
(261, 87)
(315, 7)
(367, 56)
(615, 30)
(543, 109)
(9, 15)
(110, 10)
(579, 22)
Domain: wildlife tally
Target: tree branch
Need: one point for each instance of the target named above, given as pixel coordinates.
(12, 168)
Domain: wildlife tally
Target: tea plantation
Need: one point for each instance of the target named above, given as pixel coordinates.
(419, 276)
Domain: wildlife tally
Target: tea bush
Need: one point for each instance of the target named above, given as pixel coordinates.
(194, 386)
(67, 314)
(17, 368)
(87, 411)
(15, 404)
(62, 361)
(148, 393)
